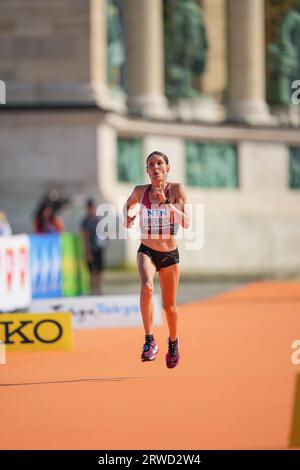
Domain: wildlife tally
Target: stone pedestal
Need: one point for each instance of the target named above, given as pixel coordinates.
(55, 53)
(202, 109)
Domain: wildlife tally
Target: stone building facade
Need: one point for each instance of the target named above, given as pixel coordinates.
(86, 99)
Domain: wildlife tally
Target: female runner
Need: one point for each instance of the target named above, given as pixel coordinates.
(162, 208)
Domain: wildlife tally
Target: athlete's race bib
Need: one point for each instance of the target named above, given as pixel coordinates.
(156, 219)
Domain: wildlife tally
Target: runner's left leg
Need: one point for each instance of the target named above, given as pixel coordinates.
(168, 280)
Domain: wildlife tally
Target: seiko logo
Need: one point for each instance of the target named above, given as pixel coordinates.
(29, 333)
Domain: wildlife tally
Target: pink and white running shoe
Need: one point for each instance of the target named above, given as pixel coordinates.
(149, 352)
(172, 356)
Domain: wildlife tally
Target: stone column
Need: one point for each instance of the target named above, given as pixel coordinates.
(214, 79)
(98, 41)
(105, 97)
(145, 57)
(247, 62)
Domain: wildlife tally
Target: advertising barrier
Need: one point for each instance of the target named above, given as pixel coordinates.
(75, 277)
(100, 312)
(57, 266)
(15, 285)
(38, 332)
(46, 266)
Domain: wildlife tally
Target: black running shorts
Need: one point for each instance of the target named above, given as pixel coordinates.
(161, 259)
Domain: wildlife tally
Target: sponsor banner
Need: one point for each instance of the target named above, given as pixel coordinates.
(37, 332)
(75, 278)
(101, 311)
(83, 275)
(15, 286)
(46, 266)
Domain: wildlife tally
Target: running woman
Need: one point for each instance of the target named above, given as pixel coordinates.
(162, 209)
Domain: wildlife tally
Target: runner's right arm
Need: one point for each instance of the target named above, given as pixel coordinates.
(131, 202)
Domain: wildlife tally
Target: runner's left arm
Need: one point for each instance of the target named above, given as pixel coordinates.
(180, 209)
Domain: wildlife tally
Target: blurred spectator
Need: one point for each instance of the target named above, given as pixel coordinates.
(93, 245)
(47, 219)
(5, 228)
(56, 199)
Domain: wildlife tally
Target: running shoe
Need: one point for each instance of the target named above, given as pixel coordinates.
(150, 350)
(172, 356)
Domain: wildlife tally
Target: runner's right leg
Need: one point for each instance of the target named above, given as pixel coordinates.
(147, 271)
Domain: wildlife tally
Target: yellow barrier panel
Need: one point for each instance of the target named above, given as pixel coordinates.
(36, 332)
(295, 434)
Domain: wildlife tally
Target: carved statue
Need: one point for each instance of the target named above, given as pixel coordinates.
(185, 47)
(284, 58)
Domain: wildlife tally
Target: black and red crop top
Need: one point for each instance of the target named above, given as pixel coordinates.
(155, 218)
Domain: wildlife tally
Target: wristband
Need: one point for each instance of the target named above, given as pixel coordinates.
(167, 201)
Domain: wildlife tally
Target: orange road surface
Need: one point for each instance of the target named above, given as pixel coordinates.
(234, 387)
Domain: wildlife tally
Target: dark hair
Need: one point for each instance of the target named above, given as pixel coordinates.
(160, 154)
(39, 215)
(90, 202)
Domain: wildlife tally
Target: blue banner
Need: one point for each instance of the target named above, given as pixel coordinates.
(46, 266)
